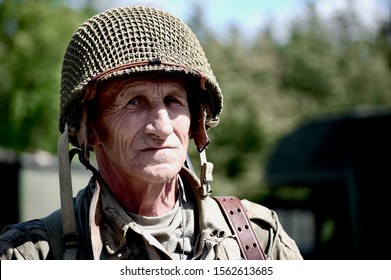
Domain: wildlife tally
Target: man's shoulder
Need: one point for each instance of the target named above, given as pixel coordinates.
(14, 232)
(259, 213)
(26, 240)
(278, 244)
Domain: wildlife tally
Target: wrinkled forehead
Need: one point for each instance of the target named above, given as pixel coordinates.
(142, 84)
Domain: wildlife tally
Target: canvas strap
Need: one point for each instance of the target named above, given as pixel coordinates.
(241, 226)
(69, 238)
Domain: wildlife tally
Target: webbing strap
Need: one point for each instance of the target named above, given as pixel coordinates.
(240, 224)
(54, 230)
(70, 238)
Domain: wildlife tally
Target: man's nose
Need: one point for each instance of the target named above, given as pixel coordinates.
(160, 123)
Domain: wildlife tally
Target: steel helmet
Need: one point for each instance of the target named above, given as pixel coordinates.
(128, 41)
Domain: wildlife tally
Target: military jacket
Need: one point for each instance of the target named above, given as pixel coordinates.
(106, 232)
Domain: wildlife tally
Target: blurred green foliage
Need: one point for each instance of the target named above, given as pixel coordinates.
(270, 85)
(33, 38)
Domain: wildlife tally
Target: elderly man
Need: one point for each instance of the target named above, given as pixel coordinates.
(136, 87)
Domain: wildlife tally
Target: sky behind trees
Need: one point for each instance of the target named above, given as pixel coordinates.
(250, 16)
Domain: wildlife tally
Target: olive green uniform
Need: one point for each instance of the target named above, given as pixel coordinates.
(107, 232)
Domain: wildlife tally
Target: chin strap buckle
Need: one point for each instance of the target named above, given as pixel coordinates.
(206, 175)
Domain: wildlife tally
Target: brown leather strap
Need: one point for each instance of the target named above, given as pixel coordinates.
(239, 222)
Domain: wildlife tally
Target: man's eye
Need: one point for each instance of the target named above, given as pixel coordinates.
(134, 102)
(172, 100)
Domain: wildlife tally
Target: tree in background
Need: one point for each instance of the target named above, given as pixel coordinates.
(33, 38)
(271, 86)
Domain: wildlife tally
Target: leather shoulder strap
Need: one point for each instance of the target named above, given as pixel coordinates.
(239, 222)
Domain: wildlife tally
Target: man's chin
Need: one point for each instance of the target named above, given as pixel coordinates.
(162, 172)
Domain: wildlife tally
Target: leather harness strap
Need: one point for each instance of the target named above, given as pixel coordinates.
(240, 223)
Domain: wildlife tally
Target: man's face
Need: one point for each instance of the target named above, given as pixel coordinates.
(142, 129)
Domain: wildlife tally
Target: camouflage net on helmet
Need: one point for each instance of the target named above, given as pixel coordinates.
(136, 38)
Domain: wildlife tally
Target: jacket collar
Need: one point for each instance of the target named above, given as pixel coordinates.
(109, 223)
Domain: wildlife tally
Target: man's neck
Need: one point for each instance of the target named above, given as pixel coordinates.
(146, 200)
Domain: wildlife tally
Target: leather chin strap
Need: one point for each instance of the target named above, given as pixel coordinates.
(206, 175)
(82, 136)
(201, 141)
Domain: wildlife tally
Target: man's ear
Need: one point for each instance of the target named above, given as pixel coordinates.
(93, 138)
